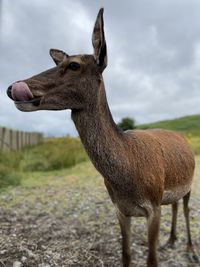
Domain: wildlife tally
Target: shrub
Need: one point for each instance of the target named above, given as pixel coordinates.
(127, 124)
(8, 177)
(56, 153)
(9, 163)
(194, 142)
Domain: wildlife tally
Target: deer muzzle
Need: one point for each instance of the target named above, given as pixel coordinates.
(20, 93)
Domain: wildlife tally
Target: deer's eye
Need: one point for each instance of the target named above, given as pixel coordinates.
(74, 66)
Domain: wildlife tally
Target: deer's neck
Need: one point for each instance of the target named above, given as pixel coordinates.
(100, 136)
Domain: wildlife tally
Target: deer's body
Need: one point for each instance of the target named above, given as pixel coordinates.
(142, 169)
(150, 166)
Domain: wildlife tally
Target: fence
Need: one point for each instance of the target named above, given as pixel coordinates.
(14, 140)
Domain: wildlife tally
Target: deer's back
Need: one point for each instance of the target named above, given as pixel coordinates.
(164, 162)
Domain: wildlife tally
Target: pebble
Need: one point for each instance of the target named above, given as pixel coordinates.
(92, 239)
(56, 256)
(3, 252)
(30, 253)
(24, 259)
(17, 264)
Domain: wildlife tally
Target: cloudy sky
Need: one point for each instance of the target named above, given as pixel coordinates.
(153, 71)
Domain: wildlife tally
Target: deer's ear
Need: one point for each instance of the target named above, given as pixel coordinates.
(99, 42)
(58, 56)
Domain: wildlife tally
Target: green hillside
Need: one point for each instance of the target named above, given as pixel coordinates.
(186, 125)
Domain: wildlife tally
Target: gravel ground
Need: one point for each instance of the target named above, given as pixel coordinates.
(64, 225)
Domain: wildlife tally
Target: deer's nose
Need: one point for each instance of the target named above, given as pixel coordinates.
(9, 91)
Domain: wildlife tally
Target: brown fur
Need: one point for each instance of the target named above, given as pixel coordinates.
(142, 169)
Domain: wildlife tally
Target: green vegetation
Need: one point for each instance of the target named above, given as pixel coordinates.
(186, 125)
(194, 142)
(54, 154)
(9, 174)
(127, 124)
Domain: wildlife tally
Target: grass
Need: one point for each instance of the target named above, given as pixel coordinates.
(186, 125)
(196, 184)
(54, 154)
(80, 177)
(9, 174)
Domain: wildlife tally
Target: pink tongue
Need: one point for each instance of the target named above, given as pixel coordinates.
(21, 92)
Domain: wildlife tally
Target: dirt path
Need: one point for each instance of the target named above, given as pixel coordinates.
(67, 220)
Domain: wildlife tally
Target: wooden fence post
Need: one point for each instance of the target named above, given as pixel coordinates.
(15, 140)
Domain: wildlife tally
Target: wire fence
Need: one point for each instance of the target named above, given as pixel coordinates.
(15, 140)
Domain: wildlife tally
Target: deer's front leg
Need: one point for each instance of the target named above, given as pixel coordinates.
(153, 233)
(125, 225)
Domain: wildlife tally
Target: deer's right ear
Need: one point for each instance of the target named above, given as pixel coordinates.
(58, 56)
(99, 42)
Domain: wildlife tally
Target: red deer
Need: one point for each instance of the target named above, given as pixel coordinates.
(142, 169)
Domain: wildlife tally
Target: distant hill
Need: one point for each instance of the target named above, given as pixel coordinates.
(187, 124)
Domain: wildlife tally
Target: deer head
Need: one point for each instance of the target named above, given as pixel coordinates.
(72, 84)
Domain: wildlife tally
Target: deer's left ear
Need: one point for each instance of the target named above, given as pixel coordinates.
(99, 42)
(58, 56)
